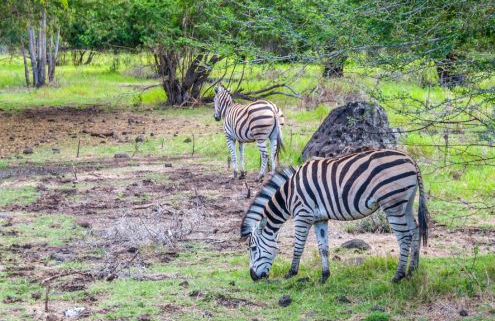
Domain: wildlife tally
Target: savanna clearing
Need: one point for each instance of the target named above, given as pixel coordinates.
(128, 210)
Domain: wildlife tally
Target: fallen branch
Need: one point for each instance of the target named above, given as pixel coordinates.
(47, 282)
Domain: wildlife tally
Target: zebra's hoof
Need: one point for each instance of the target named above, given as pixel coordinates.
(243, 175)
(290, 274)
(410, 272)
(398, 277)
(260, 178)
(235, 174)
(324, 276)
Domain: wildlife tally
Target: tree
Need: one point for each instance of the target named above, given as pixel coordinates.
(451, 34)
(33, 22)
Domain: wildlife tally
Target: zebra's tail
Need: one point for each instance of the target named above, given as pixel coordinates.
(423, 214)
(280, 143)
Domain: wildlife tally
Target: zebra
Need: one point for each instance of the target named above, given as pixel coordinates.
(255, 122)
(345, 188)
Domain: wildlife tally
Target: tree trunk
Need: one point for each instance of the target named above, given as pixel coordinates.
(333, 69)
(53, 55)
(50, 58)
(26, 67)
(168, 63)
(333, 65)
(90, 57)
(186, 90)
(42, 46)
(32, 54)
(447, 76)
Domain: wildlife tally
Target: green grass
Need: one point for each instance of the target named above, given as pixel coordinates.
(74, 86)
(51, 230)
(213, 277)
(219, 285)
(21, 195)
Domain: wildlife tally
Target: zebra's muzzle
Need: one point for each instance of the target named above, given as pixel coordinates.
(217, 118)
(255, 277)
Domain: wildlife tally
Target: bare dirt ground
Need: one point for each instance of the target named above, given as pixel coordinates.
(123, 206)
(57, 125)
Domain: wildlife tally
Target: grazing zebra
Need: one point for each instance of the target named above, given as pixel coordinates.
(346, 188)
(255, 122)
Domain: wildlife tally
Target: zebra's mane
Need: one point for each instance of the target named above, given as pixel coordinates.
(255, 211)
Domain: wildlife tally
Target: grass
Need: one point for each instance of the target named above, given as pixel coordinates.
(219, 286)
(73, 86)
(20, 196)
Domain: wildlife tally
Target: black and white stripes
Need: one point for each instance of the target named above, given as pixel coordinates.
(255, 122)
(345, 188)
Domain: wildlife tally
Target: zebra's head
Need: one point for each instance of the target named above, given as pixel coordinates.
(222, 100)
(262, 251)
(258, 225)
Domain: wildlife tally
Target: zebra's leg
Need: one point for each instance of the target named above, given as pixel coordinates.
(321, 230)
(241, 159)
(302, 230)
(273, 151)
(416, 244)
(398, 223)
(231, 145)
(264, 157)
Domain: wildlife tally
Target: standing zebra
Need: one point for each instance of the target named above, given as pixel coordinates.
(255, 122)
(346, 188)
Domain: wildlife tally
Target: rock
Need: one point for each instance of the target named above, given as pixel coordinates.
(208, 314)
(187, 140)
(41, 187)
(53, 317)
(5, 216)
(121, 156)
(74, 312)
(351, 128)
(342, 299)
(463, 313)
(356, 244)
(378, 308)
(83, 223)
(27, 150)
(11, 299)
(36, 295)
(184, 284)
(285, 301)
(56, 150)
(132, 249)
(57, 257)
(168, 164)
(139, 139)
(144, 317)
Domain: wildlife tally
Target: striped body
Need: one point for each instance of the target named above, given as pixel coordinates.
(250, 123)
(345, 188)
(256, 122)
